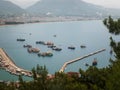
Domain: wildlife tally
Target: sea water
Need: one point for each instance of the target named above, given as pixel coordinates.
(92, 33)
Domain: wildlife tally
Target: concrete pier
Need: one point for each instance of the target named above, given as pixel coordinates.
(7, 64)
(80, 58)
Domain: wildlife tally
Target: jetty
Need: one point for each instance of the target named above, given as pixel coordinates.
(80, 58)
(7, 63)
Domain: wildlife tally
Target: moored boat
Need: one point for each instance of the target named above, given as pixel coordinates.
(50, 43)
(86, 64)
(40, 42)
(83, 46)
(54, 35)
(51, 46)
(33, 50)
(94, 63)
(48, 54)
(71, 47)
(27, 46)
(20, 39)
(57, 49)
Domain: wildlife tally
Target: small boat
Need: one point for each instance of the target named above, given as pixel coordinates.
(50, 43)
(40, 42)
(20, 39)
(83, 46)
(41, 54)
(94, 63)
(57, 49)
(33, 50)
(71, 47)
(48, 54)
(111, 52)
(86, 64)
(27, 46)
(51, 46)
(54, 35)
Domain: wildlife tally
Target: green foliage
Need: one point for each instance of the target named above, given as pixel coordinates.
(116, 47)
(4, 86)
(112, 25)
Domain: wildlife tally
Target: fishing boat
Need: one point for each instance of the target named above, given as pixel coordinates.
(94, 63)
(71, 47)
(50, 43)
(86, 64)
(54, 35)
(57, 49)
(83, 46)
(51, 46)
(33, 50)
(27, 46)
(40, 42)
(46, 54)
(20, 39)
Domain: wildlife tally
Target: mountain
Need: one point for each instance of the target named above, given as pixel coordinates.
(68, 8)
(8, 8)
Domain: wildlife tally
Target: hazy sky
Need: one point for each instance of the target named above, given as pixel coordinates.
(24, 3)
(105, 3)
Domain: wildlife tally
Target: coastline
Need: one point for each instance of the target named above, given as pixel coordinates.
(7, 64)
(47, 20)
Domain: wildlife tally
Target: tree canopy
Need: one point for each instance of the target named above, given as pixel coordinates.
(112, 25)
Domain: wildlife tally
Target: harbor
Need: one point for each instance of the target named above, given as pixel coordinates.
(77, 59)
(83, 36)
(7, 64)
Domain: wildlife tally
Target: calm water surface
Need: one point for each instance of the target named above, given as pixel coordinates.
(93, 34)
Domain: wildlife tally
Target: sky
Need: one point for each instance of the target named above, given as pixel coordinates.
(105, 3)
(24, 3)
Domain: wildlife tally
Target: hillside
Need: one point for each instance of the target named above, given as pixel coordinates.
(7, 8)
(68, 8)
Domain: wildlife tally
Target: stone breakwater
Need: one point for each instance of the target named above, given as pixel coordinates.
(80, 58)
(7, 63)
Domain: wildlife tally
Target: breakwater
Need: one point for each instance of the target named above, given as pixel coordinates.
(80, 58)
(7, 63)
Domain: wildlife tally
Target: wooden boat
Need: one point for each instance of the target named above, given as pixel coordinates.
(33, 50)
(50, 43)
(40, 42)
(51, 46)
(57, 49)
(27, 46)
(54, 35)
(83, 46)
(71, 47)
(20, 39)
(94, 63)
(48, 54)
(86, 64)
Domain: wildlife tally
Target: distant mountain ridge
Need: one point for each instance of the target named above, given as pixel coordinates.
(57, 8)
(69, 8)
(8, 8)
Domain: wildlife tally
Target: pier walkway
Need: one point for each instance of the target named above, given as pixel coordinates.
(77, 59)
(7, 64)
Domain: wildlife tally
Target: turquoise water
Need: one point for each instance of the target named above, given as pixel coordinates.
(93, 34)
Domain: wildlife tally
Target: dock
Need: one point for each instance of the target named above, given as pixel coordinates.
(7, 63)
(80, 58)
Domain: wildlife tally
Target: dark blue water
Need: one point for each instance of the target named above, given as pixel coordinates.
(93, 34)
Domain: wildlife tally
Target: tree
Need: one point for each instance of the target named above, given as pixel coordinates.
(112, 25)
